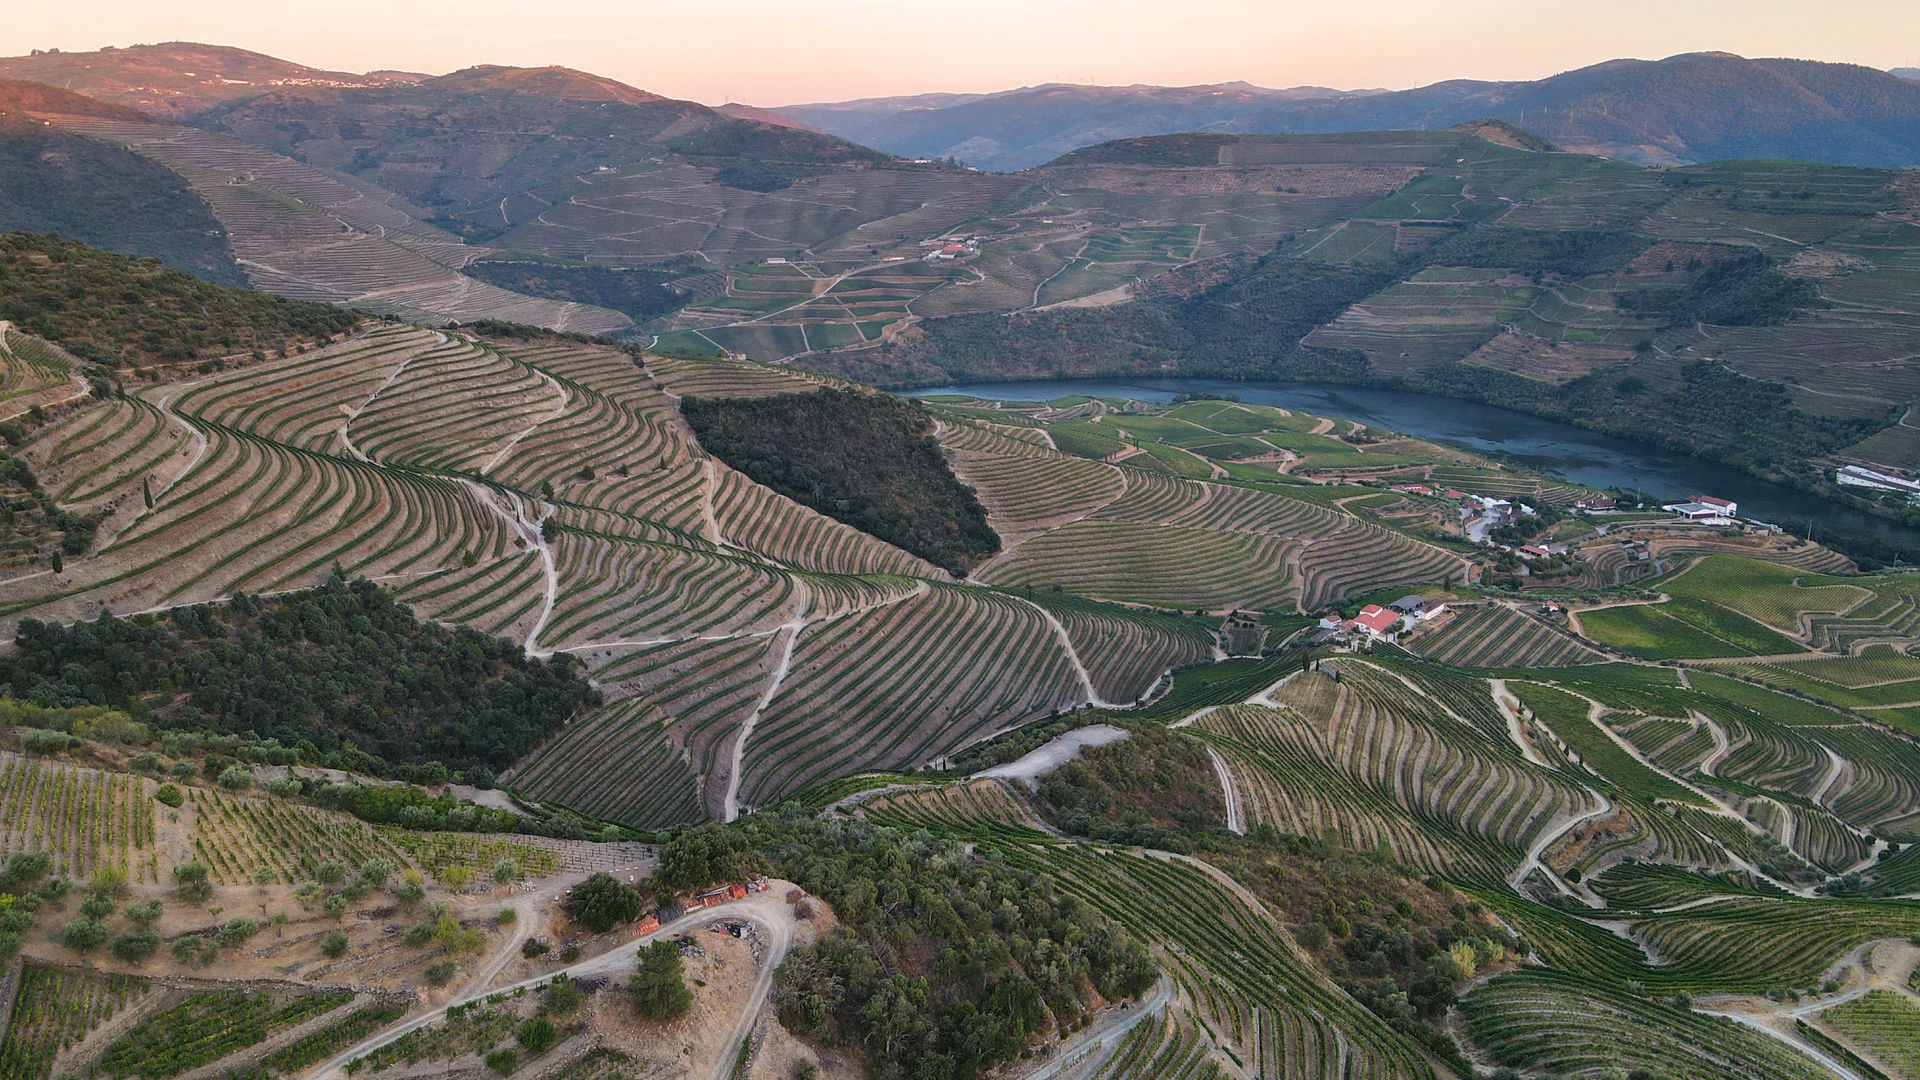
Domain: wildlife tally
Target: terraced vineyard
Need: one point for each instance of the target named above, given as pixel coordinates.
(54, 1008)
(1387, 763)
(303, 232)
(1116, 533)
(33, 373)
(550, 492)
(85, 819)
(1497, 636)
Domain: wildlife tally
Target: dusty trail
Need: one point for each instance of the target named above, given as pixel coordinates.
(1553, 833)
(1229, 791)
(529, 530)
(765, 909)
(1092, 695)
(515, 441)
(792, 629)
(1722, 746)
(1501, 696)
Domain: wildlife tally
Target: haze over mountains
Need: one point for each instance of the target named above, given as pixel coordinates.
(1688, 108)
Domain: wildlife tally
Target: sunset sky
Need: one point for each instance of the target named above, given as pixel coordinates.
(774, 53)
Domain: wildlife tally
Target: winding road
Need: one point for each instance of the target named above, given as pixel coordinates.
(766, 909)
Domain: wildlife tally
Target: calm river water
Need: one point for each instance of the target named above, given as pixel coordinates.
(1545, 445)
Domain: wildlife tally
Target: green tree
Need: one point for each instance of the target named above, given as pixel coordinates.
(191, 883)
(334, 945)
(170, 794)
(537, 1035)
(84, 935)
(145, 915)
(602, 902)
(135, 946)
(658, 987)
(26, 867)
(440, 973)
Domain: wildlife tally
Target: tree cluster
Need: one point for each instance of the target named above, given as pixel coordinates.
(865, 459)
(640, 294)
(944, 963)
(1567, 252)
(109, 197)
(1145, 790)
(340, 673)
(118, 310)
(1747, 291)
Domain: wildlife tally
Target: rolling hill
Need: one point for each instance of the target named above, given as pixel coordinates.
(99, 192)
(1690, 108)
(1568, 837)
(177, 78)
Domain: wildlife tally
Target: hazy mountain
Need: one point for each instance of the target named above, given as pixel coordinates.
(106, 195)
(1693, 107)
(738, 111)
(1018, 128)
(1906, 72)
(462, 143)
(178, 77)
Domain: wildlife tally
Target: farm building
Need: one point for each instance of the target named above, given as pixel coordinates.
(1412, 604)
(1705, 508)
(1375, 620)
(1855, 476)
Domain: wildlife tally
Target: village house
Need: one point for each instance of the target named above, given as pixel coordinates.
(1375, 621)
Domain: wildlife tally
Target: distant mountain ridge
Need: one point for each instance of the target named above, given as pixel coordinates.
(1687, 108)
(178, 78)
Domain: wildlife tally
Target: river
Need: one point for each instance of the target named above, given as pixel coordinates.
(1537, 443)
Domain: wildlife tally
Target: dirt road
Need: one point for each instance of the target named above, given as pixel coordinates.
(773, 914)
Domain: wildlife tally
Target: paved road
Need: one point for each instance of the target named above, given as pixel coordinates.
(767, 909)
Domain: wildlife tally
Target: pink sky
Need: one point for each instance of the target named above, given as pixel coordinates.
(775, 53)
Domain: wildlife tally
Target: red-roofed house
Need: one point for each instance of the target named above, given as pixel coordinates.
(1374, 619)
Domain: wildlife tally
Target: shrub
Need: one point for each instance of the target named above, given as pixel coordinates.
(285, 787)
(533, 947)
(439, 973)
(236, 778)
(507, 917)
(84, 935)
(190, 883)
(97, 906)
(602, 902)
(237, 931)
(562, 997)
(145, 915)
(136, 946)
(537, 1035)
(502, 1061)
(108, 881)
(417, 935)
(26, 867)
(334, 945)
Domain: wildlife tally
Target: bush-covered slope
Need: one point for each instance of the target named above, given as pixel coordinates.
(868, 460)
(108, 196)
(1233, 319)
(533, 127)
(343, 668)
(117, 310)
(945, 962)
